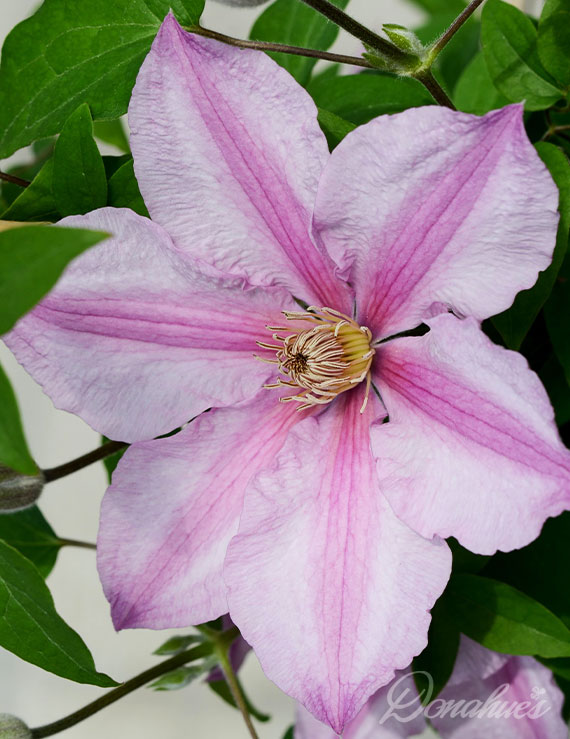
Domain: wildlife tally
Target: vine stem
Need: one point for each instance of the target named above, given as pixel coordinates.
(356, 29)
(282, 48)
(14, 180)
(434, 88)
(447, 35)
(105, 450)
(76, 543)
(229, 674)
(116, 694)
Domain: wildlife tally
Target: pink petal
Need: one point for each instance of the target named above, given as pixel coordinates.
(135, 342)
(524, 689)
(228, 154)
(471, 449)
(328, 586)
(367, 723)
(172, 509)
(433, 208)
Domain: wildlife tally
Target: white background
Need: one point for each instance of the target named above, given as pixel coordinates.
(72, 507)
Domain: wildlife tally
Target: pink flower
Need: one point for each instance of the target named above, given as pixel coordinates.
(489, 696)
(317, 529)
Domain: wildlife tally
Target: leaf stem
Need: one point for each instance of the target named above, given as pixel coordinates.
(356, 29)
(105, 450)
(75, 543)
(282, 48)
(221, 649)
(434, 88)
(14, 180)
(114, 695)
(447, 35)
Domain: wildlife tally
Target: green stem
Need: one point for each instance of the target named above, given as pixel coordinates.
(434, 88)
(116, 694)
(221, 650)
(75, 543)
(446, 36)
(356, 29)
(14, 180)
(282, 48)
(105, 450)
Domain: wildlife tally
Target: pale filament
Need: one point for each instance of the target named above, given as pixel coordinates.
(330, 357)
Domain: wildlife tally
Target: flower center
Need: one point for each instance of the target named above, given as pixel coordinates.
(322, 361)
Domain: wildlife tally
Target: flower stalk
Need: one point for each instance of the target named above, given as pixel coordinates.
(281, 48)
(105, 450)
(14, 180)
(447, 35)
(189, 655)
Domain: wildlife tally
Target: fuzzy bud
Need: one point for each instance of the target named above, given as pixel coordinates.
(18, 491)
(13, 728)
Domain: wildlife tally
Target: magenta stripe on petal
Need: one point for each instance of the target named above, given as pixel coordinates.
(228, 153)
(471, 449)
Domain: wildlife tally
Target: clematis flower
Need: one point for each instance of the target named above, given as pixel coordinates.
(317, 521)
(488, 695)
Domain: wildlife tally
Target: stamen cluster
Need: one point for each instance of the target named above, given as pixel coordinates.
(332, 356)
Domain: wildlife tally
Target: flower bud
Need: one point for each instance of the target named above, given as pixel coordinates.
(18, 491)
(403, 38)
(12, 728)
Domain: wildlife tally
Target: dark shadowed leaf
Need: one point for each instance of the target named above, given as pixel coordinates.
(438, 658)
(514, 323)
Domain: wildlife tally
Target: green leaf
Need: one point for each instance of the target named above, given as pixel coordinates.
(334, 127)
(290, 733)
(32, 259)
(475, 91)
(14, 452)
(292, 22)
(30, 533)
(124, 190)
(510, 46)
(438, 658)
(36, 202)
(79, 181)
(514, 323)
(113, 133)
(70, 53)
(360, 97)
(554, 39)
(183, 676)
(540, 569)
(504, 619)
(31, 628)
(177, 644)
(220, 687)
